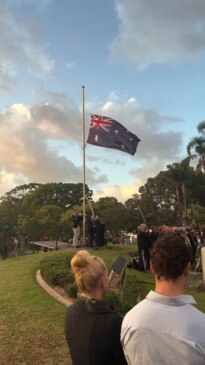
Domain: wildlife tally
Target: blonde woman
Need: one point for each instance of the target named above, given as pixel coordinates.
(92, 328)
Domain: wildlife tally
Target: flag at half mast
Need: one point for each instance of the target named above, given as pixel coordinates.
(107, 132)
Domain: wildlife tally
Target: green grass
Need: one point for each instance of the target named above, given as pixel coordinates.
(32, 322)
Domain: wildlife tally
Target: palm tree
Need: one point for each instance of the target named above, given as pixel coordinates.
(198, 144)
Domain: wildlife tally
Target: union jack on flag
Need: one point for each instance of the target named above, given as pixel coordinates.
(107, 132)
(97, 121)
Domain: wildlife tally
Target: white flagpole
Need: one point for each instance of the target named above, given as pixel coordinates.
(83, 147)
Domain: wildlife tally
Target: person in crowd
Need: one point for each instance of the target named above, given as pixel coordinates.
(101, 232)
(168, 230)
(97, 230)
(91, 230)
(143, 247)
(153, 235)
(184, 235)
(92, 328)
(77, 222)
(165, 328)
(116, 239)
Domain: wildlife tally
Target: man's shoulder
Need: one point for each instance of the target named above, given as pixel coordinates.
(136, 312)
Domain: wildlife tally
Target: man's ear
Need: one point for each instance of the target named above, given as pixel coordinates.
(152, 267)
(186, 269)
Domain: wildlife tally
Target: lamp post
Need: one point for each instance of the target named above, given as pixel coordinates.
(138, 208)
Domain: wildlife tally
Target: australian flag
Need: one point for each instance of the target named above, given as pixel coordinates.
(107, 132)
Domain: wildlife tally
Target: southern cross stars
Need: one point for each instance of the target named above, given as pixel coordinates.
(107, 132)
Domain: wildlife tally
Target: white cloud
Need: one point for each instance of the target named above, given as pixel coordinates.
(148, 125)
(158, 147)
(122, 193)
(20, 49)
(9, 180)
(25, 152)
(159, 31)
(31, 138)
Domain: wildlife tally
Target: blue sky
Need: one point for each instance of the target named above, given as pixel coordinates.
(142, 63)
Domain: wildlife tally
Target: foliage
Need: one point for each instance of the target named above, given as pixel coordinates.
(158, 200)
(117, 302)
(114, 300)
(198, 145)
(63, 195)
(71, 289)
(166, 198)
(48, 217)
(181, 175)
(196, 215)
(38, 210)
(56, 270)
(9, 210)
(114, 213)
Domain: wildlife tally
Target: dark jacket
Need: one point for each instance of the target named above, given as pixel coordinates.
(77, 220)
(92, 332)
(143, 241)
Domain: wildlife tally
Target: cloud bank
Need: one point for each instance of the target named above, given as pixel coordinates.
(30, 138)
(158, 32)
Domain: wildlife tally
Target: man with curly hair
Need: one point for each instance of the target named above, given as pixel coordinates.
(165, 328)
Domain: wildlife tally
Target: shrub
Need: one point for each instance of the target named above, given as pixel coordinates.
(115, 301)
(72, 290)
(56, 270)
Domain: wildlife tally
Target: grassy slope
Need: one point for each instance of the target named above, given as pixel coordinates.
(31, 322)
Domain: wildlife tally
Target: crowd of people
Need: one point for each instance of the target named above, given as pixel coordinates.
(163, 329)
(95, 230)
(146, 238)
